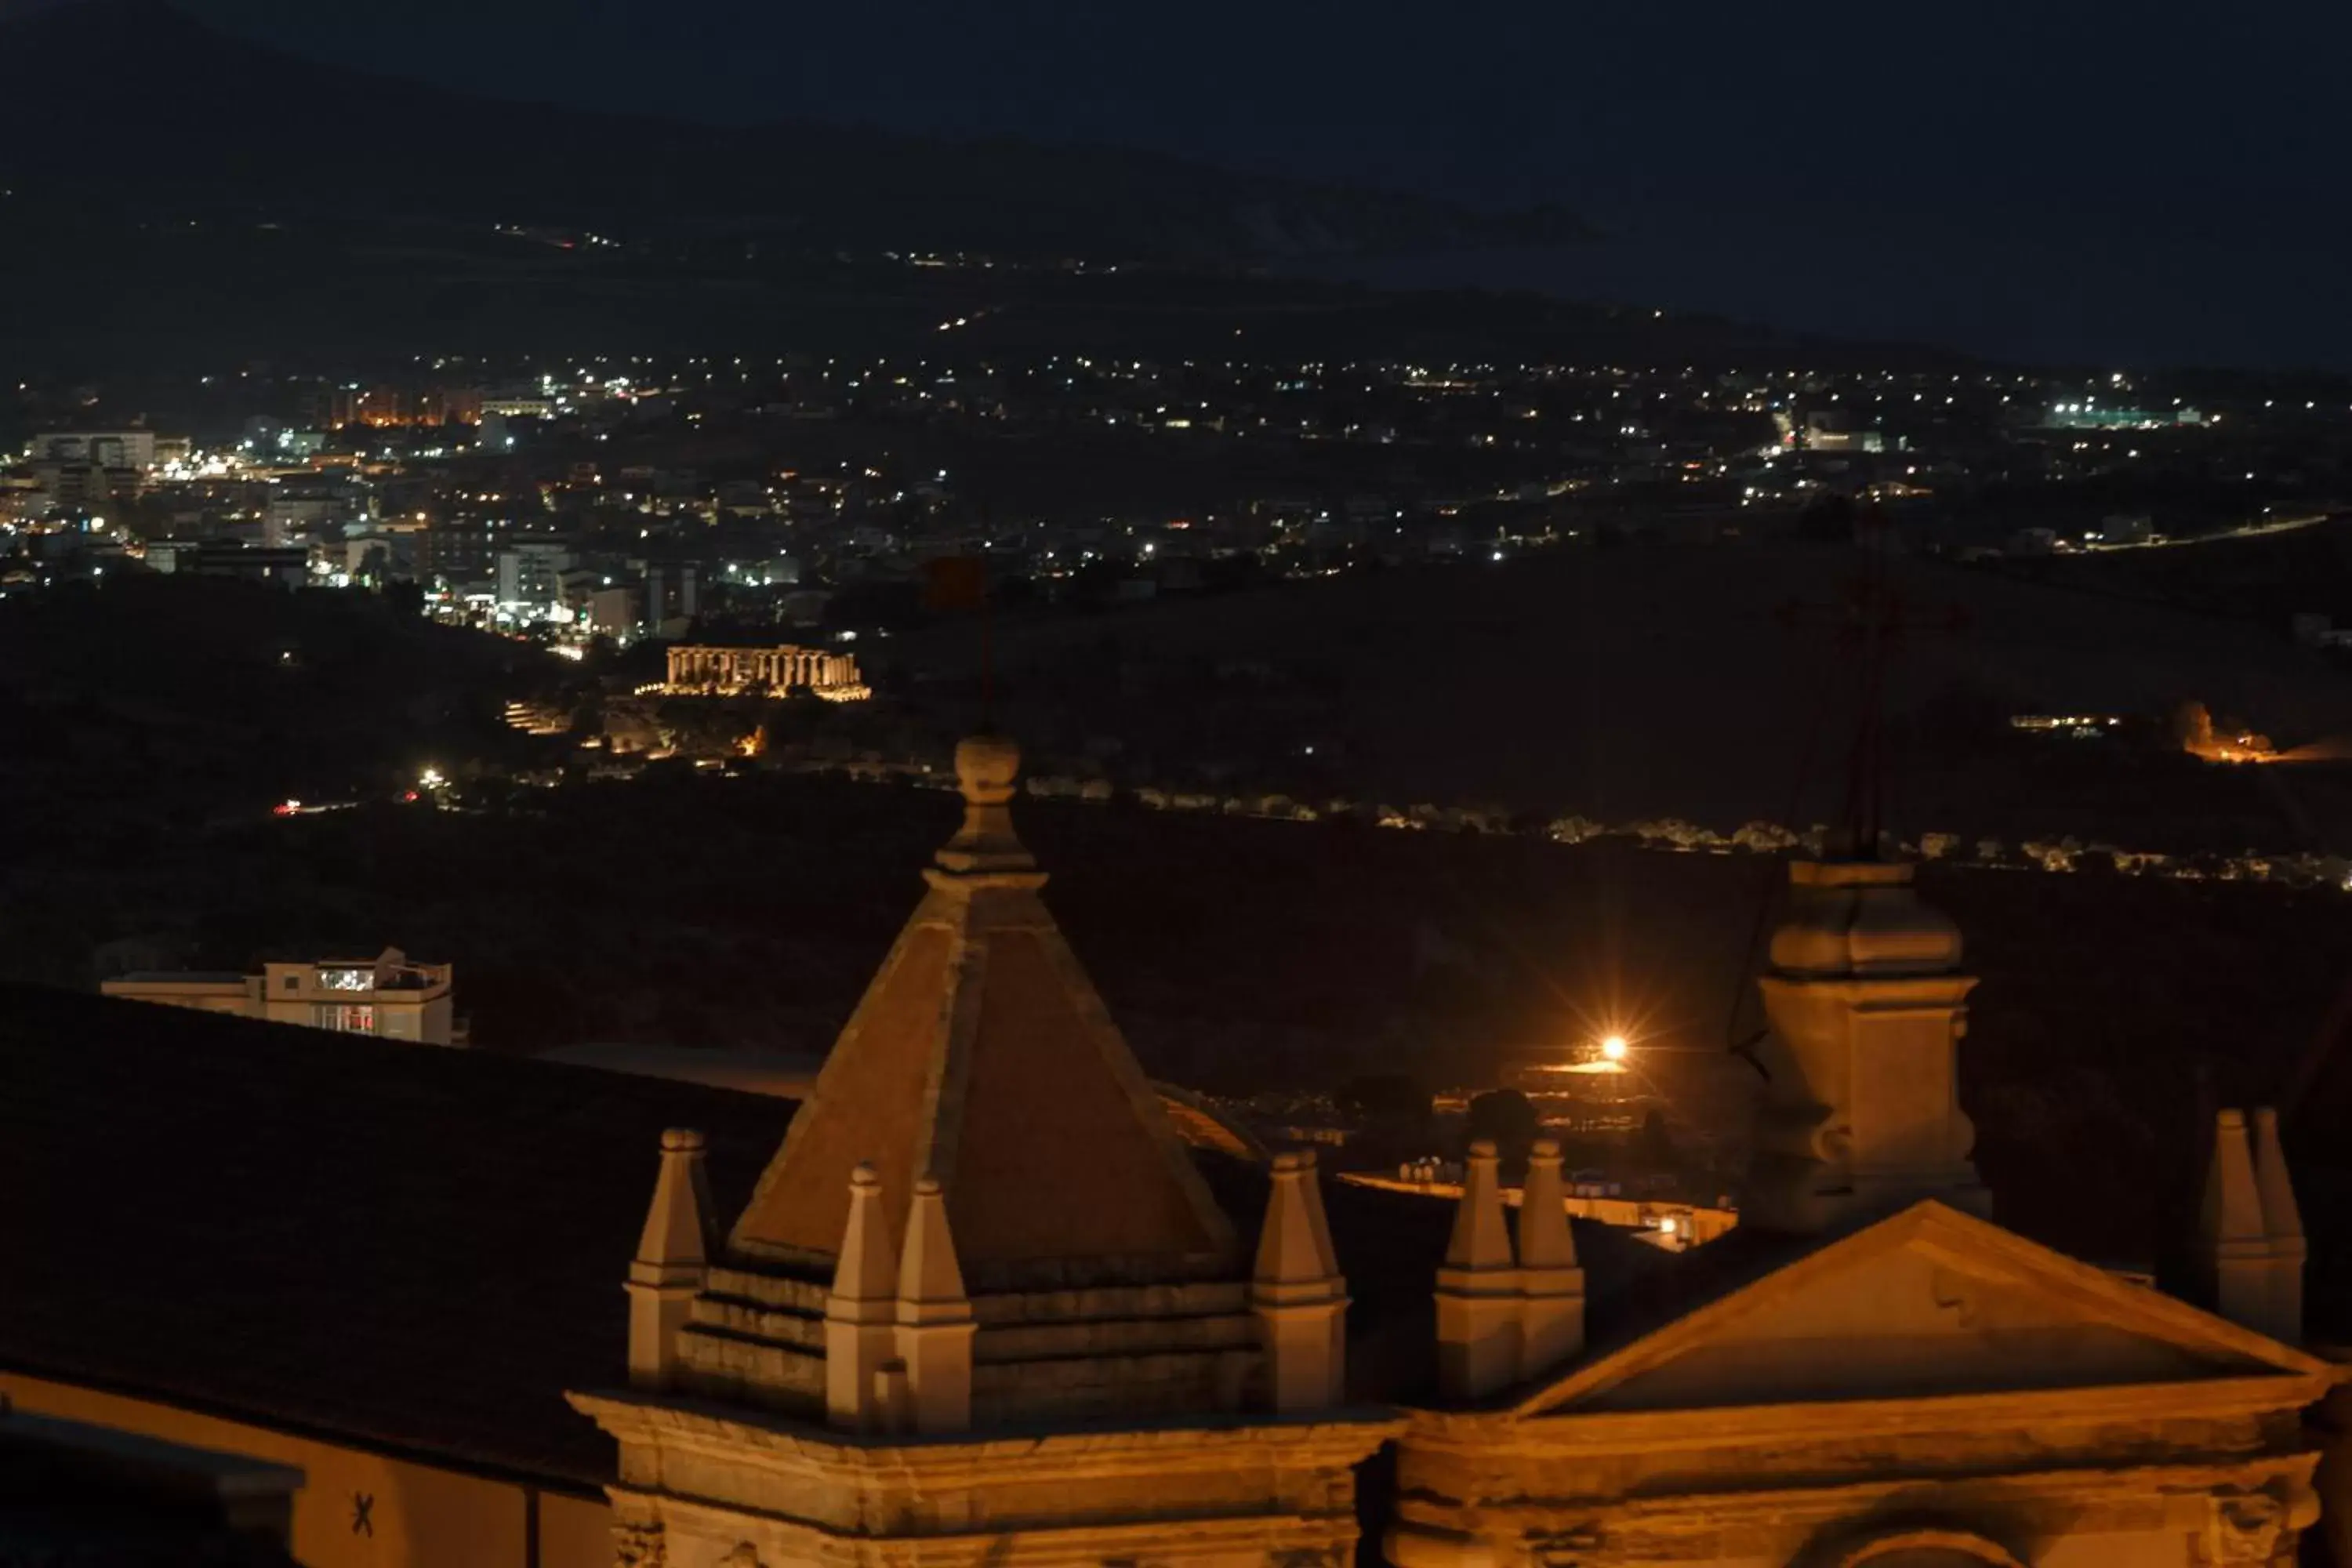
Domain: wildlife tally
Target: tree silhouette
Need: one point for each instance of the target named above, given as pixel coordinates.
(1508, 1117)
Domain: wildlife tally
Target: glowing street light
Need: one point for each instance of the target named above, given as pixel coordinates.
(1613, 1048)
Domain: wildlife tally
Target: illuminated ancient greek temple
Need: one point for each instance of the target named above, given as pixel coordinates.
(696, 670)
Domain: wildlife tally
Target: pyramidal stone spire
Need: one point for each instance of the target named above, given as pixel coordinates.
(1297, 1293)
(672, 1260)
(2251, 1243)
(980, 1055)
(1551, 1285)
(1480, 1241)
(1867, 1005)
(862, 1311)
(935, 1324)
(2235, 1251)
(2282, 1215)
(1478, 1298)
(2281, 1228)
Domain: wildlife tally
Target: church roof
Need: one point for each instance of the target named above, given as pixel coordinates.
(981, 1055)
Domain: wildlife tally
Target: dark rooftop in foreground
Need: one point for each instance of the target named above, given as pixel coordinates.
(408, 1248)
(186, 976)
(418, 1250)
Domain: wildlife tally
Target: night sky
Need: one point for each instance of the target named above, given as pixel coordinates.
(2136, 181)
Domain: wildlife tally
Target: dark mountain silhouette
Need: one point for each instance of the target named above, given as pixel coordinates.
(132, 99)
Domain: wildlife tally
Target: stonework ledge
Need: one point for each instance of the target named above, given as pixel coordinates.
(1192, 1440)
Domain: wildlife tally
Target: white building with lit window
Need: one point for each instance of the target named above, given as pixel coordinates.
(386, 995)
(531, 572)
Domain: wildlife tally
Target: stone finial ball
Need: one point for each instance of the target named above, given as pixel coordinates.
(681, 1141)
(987, 767)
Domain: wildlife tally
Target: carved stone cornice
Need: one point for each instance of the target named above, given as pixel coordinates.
(2226, 1499)
(1571, 1434)
(1296, 1541)
(848, 1461)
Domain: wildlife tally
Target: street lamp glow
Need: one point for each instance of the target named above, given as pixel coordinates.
(1613, 1048)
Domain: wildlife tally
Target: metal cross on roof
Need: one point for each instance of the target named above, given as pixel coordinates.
(1871, 617)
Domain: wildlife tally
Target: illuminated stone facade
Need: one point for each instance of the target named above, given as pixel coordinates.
(1067, 1366)
(1929, 1392)
(1866, 1371)
(728, 671)
(981, 1308)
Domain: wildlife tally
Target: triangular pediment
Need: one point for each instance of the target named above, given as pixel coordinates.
(1928, 1302)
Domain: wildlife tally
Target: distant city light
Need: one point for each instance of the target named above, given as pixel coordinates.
(1613, 1048)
